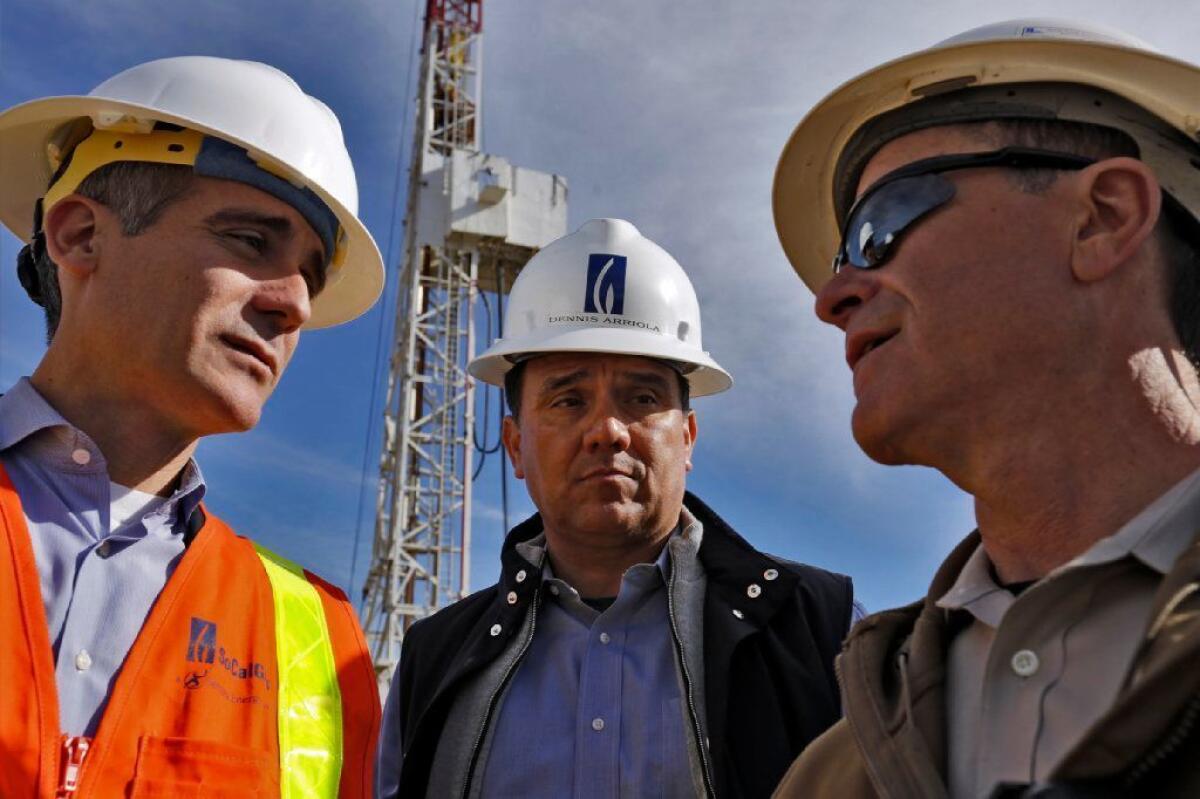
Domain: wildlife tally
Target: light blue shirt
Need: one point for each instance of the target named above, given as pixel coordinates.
(98, 584)
(594, 710)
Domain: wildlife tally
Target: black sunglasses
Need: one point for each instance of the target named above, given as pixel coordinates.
(901, 197)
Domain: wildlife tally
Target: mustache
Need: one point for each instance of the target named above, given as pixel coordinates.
(624, 466)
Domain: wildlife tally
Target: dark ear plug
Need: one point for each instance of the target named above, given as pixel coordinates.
(27, 260)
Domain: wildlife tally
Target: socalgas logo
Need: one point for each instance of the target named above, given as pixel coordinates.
(605, 284)
(203, 649)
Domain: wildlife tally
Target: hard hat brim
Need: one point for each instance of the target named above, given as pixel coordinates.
(25, 130)
(706, 378)
(803, 190)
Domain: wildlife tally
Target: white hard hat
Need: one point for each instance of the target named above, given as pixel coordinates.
(604, 288)
(284, 132)
(1088, 64)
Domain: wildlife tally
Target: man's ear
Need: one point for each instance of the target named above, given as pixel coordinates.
(1119, 201)
(691, 438)
(71, 234)
(510, 434)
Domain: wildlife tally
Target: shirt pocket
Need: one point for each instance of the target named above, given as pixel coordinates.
(190, 768)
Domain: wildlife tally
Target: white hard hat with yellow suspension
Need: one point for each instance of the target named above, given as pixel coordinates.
(236, 120)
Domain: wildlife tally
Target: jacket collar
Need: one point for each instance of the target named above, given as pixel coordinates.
(739, 577)
(892, 673)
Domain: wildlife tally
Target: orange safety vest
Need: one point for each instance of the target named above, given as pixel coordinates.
(194, 709)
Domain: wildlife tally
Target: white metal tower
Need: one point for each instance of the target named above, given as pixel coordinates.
(472, 222)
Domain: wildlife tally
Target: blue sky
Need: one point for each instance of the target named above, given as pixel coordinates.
(670, 115)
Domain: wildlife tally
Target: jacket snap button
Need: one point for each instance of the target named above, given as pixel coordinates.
(753, 590)
(495, 630)
(521, 576)
(1025, 663)
(512, 597)
(770, 574)
(738, 614)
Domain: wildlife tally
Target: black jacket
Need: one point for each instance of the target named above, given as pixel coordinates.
(768, 661)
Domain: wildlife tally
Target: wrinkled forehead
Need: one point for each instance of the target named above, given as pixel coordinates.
(584, 366)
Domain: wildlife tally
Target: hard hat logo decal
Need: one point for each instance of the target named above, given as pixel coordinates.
(605, 284)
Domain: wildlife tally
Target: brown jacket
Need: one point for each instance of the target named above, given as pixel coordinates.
(891, 743)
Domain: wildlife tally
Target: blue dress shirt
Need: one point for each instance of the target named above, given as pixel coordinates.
(594, 710)
(98, 584)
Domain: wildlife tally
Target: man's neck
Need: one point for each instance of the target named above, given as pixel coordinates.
(1045, 496)
(596, 572)
(139, 455)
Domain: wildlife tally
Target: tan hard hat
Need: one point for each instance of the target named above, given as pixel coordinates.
(1027, 52)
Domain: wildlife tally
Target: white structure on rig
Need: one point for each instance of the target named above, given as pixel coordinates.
(473, 221)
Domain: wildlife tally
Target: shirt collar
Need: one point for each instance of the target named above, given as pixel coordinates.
(1156, 537)
(25, 412)
(975, 590)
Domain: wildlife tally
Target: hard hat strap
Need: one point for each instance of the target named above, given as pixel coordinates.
(208, 156)
(1162, 146)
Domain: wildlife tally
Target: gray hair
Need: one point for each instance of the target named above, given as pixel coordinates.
(137, 193)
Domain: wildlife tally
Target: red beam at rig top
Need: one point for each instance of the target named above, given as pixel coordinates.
(455, 14)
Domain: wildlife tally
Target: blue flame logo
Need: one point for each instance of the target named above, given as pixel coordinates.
(605, 284)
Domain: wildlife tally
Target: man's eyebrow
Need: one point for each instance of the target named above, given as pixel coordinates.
(552, 384)
(248, 216)
(647, 378)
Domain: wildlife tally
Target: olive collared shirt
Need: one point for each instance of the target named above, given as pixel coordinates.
(1030, 674)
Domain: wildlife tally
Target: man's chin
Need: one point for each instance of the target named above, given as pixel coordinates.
(878, 442)
(615, 518)
(233, 413)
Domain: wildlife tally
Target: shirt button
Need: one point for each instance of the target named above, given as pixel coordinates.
(605, 638)
(753, 590)
(496, 628)
(521, 576)
(512, 597)
(1025, 663)
(104, 550)
(597, 724)
(738, 614)
(83, 661)
(770, 574)
(554, 590)
(82, 457)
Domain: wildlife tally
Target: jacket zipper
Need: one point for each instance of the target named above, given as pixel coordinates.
(687, 686)
(491, 706)
(75, 749)
(1167, 747)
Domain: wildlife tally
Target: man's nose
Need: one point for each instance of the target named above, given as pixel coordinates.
(606, 430)
(285, 300)
(846, 292)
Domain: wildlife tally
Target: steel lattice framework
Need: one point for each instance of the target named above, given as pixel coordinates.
(423, 521)
(473, 221)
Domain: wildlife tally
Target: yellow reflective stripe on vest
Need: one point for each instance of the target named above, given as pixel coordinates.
(310, 702)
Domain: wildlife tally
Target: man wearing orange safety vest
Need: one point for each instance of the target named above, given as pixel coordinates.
(184, 222)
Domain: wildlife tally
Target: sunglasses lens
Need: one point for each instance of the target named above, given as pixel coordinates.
(879, 217)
